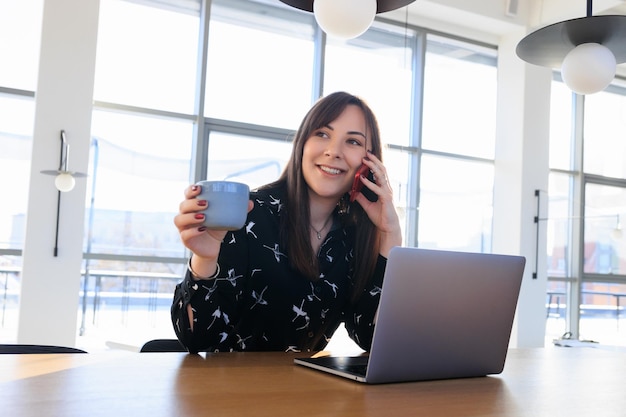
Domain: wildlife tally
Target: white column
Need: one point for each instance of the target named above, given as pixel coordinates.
(50, 284)
(523, 127)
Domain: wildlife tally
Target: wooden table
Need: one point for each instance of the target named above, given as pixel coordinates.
(536, 382)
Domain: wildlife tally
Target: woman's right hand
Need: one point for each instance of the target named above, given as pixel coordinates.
(197, 238)
(202, 242)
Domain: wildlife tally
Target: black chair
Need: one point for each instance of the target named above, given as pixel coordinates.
(163, 345)
(21, 348)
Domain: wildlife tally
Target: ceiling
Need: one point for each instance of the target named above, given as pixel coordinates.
(488, 20)
(500, 16)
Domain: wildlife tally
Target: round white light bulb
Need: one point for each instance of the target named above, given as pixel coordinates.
(345, 19)
(64, 182)
(588, 68)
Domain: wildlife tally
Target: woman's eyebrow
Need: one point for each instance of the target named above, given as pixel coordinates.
(355, 132)
(350, 132)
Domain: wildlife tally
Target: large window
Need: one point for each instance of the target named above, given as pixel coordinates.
(20, 29)
(458, 145)
(15, 145)
(562, 218)
(604, 244)
(377, 66)
(139, 168)
(456, 204)
(142, 139)
(260, 63)
(605, 124)
(15, 150)
(257, 161)
(586, 247)
(459, 98)
(147, 55)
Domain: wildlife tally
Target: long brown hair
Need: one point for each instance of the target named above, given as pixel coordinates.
(295, 223)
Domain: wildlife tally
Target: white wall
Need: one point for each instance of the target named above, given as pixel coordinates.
(49, 293)
(522, 166)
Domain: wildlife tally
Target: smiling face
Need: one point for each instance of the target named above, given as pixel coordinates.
(333, 153)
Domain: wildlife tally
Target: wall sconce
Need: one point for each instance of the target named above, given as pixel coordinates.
(346, 19)
(587, 49)
(64, 180)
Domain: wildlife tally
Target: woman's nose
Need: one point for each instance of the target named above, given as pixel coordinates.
(333, 149)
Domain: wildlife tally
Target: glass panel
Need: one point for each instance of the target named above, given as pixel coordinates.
(16, 133)
(601, 312)
(253, 161)
(20, 34)
(10, 282)
(460, 92)
(558, 226)
(147, 55)
(377, 67)
(126, 302)
(455, 211)
(605, 246)
(561, 126)
(139, 169)
(605, 122)
(556, 310)
(260, 64)
(397, 164)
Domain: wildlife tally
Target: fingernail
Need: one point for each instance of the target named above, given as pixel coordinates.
(201, 228)
(194, 187)
(199, 216)
(202, 203)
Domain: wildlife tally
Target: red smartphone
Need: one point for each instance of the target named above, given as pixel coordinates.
(357, 184)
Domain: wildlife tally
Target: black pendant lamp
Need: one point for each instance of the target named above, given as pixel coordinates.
(587, 49)
(346, 19)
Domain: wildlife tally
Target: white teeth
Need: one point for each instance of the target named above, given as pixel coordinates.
(330, 170)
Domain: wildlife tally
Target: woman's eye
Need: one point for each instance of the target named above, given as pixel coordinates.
(355, 142)
(321, 134)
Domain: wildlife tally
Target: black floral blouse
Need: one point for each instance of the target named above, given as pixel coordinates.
(259, 303)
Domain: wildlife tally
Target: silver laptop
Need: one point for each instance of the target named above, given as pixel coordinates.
(442, 315)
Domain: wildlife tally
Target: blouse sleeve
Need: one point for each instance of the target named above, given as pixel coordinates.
(214, 302)
(359, 318)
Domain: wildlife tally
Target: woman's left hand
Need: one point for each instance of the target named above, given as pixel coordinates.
(381, 212)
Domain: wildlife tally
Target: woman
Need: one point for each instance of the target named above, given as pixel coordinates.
(307, 258)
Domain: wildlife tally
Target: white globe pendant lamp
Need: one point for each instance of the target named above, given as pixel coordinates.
(586, 49)
(588, 68)
(64, 182)
(346, 19)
